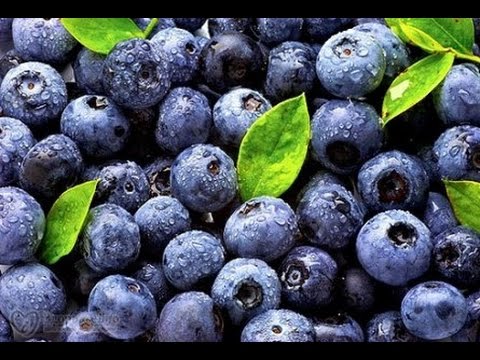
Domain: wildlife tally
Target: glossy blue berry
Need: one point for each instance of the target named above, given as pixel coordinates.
(394, 247)
(192, 257)
(434, 310)
(345, 134)
(264, 228)
(245, 288)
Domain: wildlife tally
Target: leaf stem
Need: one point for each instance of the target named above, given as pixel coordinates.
(150, 27)
(473, 58)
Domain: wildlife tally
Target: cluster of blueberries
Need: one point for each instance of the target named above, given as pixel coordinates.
(363, 247)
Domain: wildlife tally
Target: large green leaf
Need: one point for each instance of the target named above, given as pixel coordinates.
(274, 149)
(102, 34)
(465, 199)
(414, 84)
(455, 33)
(65, 221)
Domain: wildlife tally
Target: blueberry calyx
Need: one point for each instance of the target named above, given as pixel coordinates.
(251, 103)
(343, 154)
(294, 275)
(402, 234)
(249, 294)
(86, 324)
(98, 102)
(249, 207)
(475, 158)
(448, 255)
(393, 187)
(159, 182)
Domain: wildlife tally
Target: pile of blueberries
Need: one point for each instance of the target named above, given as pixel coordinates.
(363, 247)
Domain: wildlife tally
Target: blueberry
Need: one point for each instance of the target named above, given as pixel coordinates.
(34, 93)
(152, 275)
(110, 239)
(438, 214)
(6, 27)
(8, 61)
(190, 317)
(456, 256)
(388, 327)
(81, 327)
(185, 119)
(163, 23)
(457, 153)
(51, 166)
(322, 177)
(308, 276)
(190, 24)
(136, 74)
(87, 69)
(330, 216)
(291, 70)
(32, 298)
(264, 228)
(279, 326)
(245, 288)
(434, 310)
(203, 178)
(345, 134)
(218, 26)
(192, 258)
(16, 140)
(394, 247)
(337, 328)
(396, 53)
(351, 64)
(160, 219)
(357, 290)
(6, 331)
(183, 53)
(273, 31)
(393, 180)
(361, 21)
(84, 279)
(430, 163)
(97, 125)
(22, 221)
(230, 60)
(456, 99)
(44, 40)
(320, 29)
(235, 112)
(471, 330)
(158, 175)
(124, 184)
(141, 146)
(123, 307)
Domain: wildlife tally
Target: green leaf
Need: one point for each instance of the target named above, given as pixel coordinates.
(65, 221)
(421, 39)
(455, 33)
(102, 34)
(465, 199)
(394, 24)
(274, 149)
(415, 83)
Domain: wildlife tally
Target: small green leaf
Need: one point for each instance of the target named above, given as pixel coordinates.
(415, 83)
(464, 197)
(421, 39)
(65, 221)
(274, 149)
(455, 33)
(102, 34)
(394, 24)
